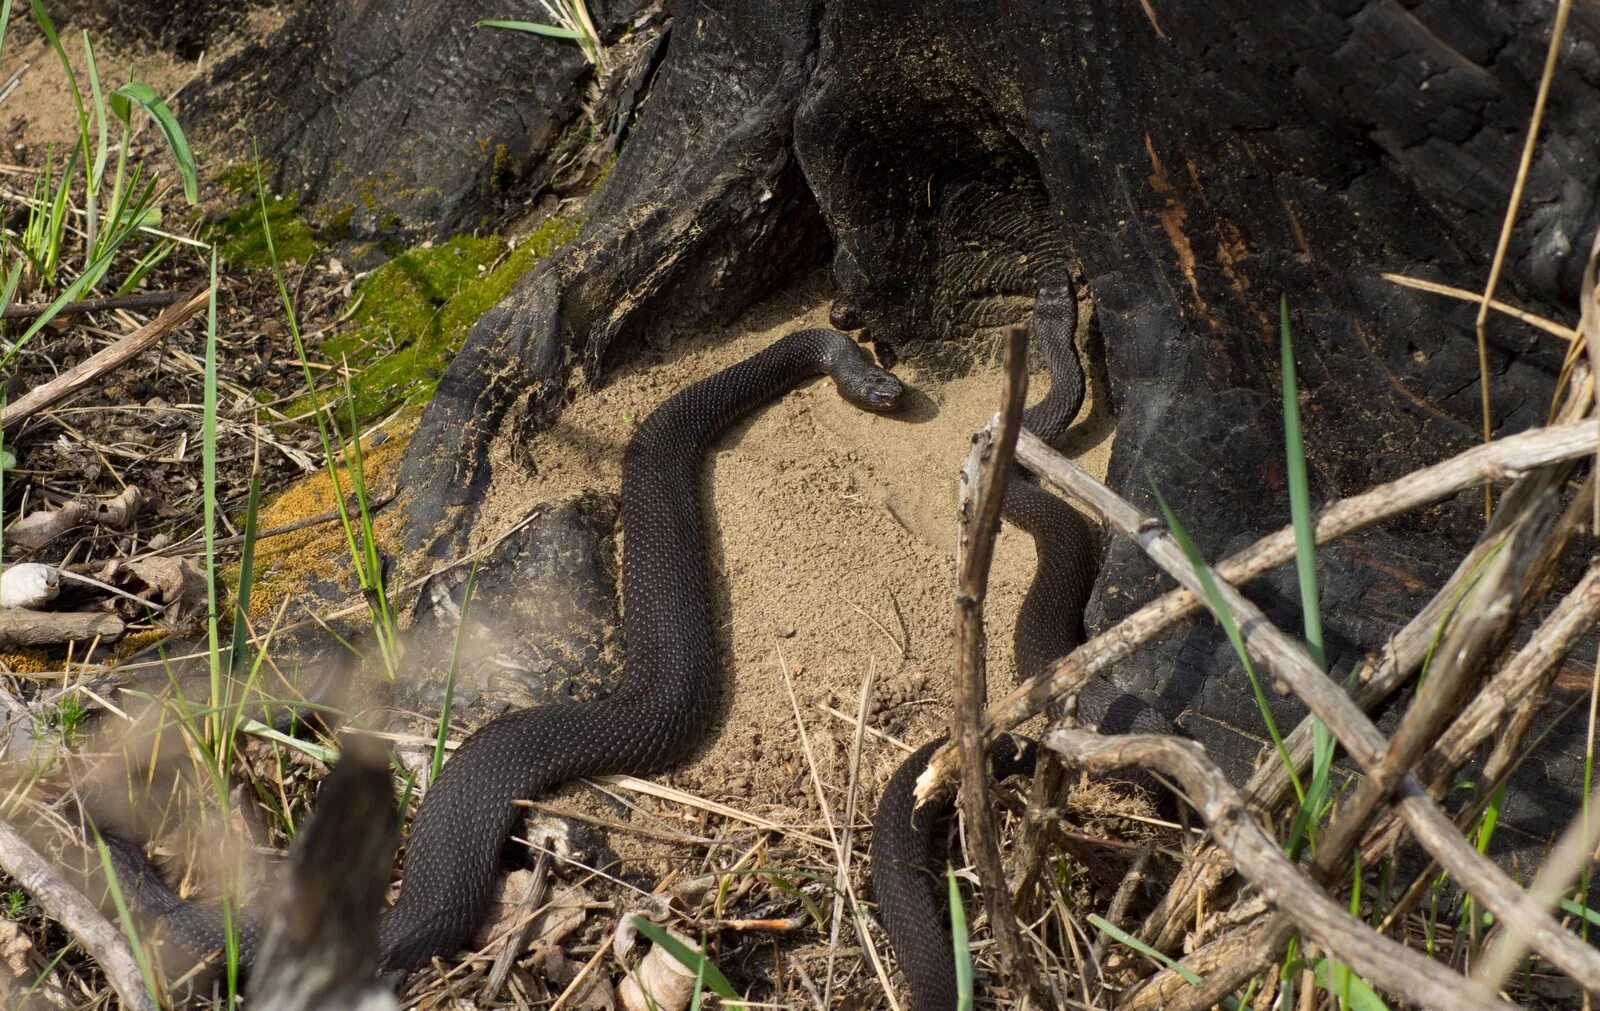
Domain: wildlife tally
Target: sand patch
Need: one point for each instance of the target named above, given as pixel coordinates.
(830, 536)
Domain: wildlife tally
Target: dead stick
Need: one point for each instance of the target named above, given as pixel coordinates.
(1526, 506)
(1523, 680)
(118, 354)
(141, 300)
(982, 496)
(1292, 667)
(1170, 988)
(1503, 458)
(1385, 963)
(1468, 645)
(73, 910)
(1472, 640)
(1571, 855)
(1229, 977)
(22, 627)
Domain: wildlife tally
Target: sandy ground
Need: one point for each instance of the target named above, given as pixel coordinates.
(830, 536)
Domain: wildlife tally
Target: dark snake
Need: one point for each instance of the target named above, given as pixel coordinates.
(910, 894)
(663, 704)
(658, 713)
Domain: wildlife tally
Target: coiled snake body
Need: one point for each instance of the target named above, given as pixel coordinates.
(654, 718)
(661, 708)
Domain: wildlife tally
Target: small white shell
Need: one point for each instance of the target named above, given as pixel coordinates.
(28, 584)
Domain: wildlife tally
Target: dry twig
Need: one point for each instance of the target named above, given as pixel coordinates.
(139, 300)
(73, 910)
(1292, 667)
(982, 495)
(103, 361)
(1387, 964)
(1504, 458)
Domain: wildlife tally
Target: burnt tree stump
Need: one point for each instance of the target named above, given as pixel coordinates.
(1192, 162)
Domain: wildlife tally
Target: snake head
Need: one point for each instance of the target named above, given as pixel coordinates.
(877, 390)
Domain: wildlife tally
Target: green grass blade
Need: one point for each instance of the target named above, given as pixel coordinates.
(1305, 555)
(1123, 937)
(102, 148)
(255, 728)
(961, 942)
(247, 561)
(370, 576)
(533, 27)
(208, 458)
(158, 109)
(125, 920)
(72, 293)
(1208, 582)
(5, 21)
(450, 675)
(1351, 990)
(1305, 539)
(691, 959)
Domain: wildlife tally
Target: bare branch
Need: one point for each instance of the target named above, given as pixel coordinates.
(1503, 458)
(1386, 964)
(73, 910)
(140, 300)
(1292, 667)
(98, 364)
(982, 496)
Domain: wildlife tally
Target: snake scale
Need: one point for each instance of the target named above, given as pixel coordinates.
(663, 704)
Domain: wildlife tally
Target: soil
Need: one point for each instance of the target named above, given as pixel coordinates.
(42, 113)
(831, 547)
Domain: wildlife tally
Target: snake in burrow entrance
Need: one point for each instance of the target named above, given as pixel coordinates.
(666, 698)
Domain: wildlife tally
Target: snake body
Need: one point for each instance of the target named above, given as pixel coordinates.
(1049, 626)
(659, 711)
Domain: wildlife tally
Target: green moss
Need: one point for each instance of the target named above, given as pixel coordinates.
(416, 310)
(605, 173)
(241, 240)
(238, 178)
(334, 221)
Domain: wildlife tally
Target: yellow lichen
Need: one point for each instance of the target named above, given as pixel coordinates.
(133, 642)
(286, 564)
(28, 661)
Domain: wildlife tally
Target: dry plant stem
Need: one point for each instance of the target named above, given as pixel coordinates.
(1117, 911)
(101, 362)
(22, 627)
(142, 300)
(1292, 667)
(1254, 959)
(1523, 679)
(1526, 505)
(982, 494)
(1561, 868)
(1504, 458)
(1589, 327)
(1469, 644)
(73, 910)
(1563, 8)
(1386, 964)
(1035, 842)
(1566, 333)
(1167, 988)
(516, 940)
